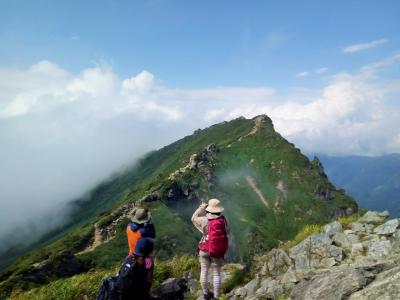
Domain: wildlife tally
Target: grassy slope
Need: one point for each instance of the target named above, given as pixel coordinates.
(85, 286)
(129, 186)
(260, 157)
(265, 156)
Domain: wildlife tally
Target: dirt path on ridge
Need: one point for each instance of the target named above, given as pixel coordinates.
(252, 183)
(97, 241)
(257, 125)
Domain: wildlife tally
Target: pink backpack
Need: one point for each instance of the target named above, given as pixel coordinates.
(216, 242)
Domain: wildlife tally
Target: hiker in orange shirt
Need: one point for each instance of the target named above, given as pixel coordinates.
(140, 227)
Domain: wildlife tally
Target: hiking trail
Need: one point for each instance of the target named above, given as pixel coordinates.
(257, 125)
(97, 241)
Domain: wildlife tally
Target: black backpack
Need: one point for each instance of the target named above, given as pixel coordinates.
(129, 284)
(128, 276)
(107, 290)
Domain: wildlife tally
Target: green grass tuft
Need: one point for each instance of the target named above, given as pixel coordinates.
(304, 233)
(175, 268)
(346, 221)
(82, 286)
(238, 277)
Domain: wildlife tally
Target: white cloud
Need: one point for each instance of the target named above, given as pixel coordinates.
(384, 63)
(314, 72)
(94, 82)
(321, 70)
(303, 74)
(22, 90)
(213, 114)
(363, 46)
(350, 116)
(142, 82)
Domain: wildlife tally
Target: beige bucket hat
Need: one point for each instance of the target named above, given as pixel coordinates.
(214, 206)
(140, 216)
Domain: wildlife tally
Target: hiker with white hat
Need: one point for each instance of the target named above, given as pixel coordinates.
(208, 219)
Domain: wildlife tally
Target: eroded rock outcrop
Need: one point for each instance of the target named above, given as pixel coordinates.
(360, 261)
(203, 163)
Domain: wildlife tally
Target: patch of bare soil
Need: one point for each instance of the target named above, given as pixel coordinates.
(252, 183)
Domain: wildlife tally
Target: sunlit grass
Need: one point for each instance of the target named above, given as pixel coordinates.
(82, 286)
(302, 234)
(346, 221)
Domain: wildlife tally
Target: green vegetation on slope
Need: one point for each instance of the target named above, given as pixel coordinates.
(86, 285)
(266, 185)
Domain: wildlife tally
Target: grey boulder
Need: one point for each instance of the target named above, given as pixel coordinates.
(374, 217)
(333, 285)
(332, 228)
(385, 286)
(387, 228)
(171, 289)
(379, 248)
(277, 263)
(313, 250)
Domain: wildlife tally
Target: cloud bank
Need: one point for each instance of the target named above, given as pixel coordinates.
(62, 133)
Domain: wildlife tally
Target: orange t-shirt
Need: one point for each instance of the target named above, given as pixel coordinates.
(133, 237)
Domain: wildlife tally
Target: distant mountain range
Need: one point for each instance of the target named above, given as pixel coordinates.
(374, 182)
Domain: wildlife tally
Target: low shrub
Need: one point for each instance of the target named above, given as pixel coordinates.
(238, 277)
(175, 268)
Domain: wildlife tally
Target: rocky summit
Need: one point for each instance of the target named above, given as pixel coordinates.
(356, 261)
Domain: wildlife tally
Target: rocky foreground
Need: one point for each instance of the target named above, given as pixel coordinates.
(361, 261)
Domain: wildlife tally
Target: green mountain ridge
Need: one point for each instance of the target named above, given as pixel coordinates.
(268, 188)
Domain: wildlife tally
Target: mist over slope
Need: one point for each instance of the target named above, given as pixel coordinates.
(268, 188)
(42, 172)
(374, 182)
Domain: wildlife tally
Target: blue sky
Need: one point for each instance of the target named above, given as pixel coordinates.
(87, 87)
(199, 43)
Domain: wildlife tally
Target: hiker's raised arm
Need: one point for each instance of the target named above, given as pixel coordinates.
(199, 218)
